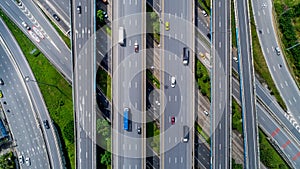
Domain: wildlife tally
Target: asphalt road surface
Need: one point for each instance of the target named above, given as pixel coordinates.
(20, 114)
(177, 101)
(52, 45)
(129, 84)
(262, 11)
(249, 117)
(84, 86)
(36, 98)
(221, 89)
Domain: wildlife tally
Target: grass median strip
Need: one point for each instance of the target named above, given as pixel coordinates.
(152, 134)
(153, 79)
(56, 91)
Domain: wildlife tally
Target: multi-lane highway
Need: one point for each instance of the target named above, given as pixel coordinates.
(129, 84)
(262, 11)
(53, 149)
(20, 111)
(177, 100)
(221, 85)
(84, 82)
(52, 45)
(248, 99)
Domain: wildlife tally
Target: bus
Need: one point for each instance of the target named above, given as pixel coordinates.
(121, 36)
(126, 119)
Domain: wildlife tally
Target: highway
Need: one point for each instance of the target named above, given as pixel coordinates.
(262, 12)
(36, 98)
(268, 100)
(221, 86)
(251, 146)
(84, 83)
(278, 136)
(177, 101)
(129, 84)
(19, 111)
(52, 46)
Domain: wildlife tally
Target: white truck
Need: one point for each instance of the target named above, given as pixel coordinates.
(121, 36)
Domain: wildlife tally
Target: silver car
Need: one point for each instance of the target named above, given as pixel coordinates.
(173, 81)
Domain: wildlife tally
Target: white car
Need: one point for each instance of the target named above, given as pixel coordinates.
(206, 113)
(136, 47)
(204, 13)
(27, 161)
(173, 81)
(21, 159)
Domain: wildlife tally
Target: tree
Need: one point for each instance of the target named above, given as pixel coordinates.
(100, 16)
(103, 128)
(106, 158)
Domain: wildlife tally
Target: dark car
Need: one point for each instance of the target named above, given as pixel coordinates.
(209, 36)
(79, 9)
(56, 17)
(186, 56)
(1, 81)
(139, 130)
(46, 124)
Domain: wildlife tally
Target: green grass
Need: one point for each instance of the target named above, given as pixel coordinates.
(236, 117)
(56, 91)
(152, 133)
(203, 79)
(260, 64)
(153, 79)
(202, 133)
(268, 155)
(104, 81)
(236, 166)
(107, 30)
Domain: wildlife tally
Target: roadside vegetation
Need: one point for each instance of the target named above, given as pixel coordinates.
(7, 161)
(153, 80)
(65, 38)
(100, 18)
(202, 79)
(268, 155)
(104, 134)
(236, 166)
(152, 135)
(233, 25)
(56, 91)
(260, 64)
(153, 25)
(103, 79)
(288, 21)
(236, 117)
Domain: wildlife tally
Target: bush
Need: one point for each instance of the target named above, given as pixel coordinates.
(7, 161)
(203, 79)
(69, 131)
